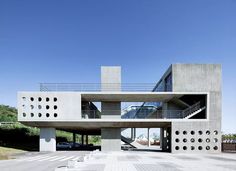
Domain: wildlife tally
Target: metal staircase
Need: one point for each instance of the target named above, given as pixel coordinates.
(132, 143)
(193, 110)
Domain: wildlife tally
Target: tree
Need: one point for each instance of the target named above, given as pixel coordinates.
(8, 114)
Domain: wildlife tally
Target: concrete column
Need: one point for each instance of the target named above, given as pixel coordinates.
(47, 140)
(86, 139)
(110, 139)
(82, 139)
(148, 135)
(164, 139)
(111, 78)
(111, 81)
(111, 110)
(165, 113)
(74, 138)
(134, 133)
(168, 131)
(161, 137)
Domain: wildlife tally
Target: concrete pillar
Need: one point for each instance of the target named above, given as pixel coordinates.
(47, 140)
(86, 139)
(148, 135)
(161, 138)
(82, 139)
(111, 78)
(74, 138)
(168, 137)
(164, 139)
(111, 81)
(111, 110)
(134, 133)
(110, 139)
(165, 112)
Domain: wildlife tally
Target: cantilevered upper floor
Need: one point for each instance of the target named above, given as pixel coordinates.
(185, 92)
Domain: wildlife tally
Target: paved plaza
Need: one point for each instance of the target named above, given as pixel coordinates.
(121, 161)
(153, 161)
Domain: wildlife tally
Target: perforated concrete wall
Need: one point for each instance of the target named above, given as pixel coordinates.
(195, 137)
(49, 106)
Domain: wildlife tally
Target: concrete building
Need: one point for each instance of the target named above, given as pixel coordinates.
(185, 104)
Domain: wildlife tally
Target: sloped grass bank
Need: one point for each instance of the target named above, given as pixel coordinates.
(6, 153)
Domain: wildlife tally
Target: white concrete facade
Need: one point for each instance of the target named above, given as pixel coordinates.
(180, 84)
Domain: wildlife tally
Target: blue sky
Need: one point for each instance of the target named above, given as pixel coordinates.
(68, 41)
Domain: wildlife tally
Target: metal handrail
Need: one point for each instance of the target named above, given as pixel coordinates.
(98, 87)
(195, 107)
(159, 114)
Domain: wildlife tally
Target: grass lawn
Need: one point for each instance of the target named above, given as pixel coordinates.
(5, 153)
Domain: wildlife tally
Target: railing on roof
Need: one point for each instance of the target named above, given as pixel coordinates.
(146, 87)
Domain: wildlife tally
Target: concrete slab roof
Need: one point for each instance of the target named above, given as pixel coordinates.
(134, 96)
(97, 124)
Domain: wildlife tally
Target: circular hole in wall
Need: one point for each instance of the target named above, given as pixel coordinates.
(215, 132)
(32, 114)
(32, 106)
(47, 115)
(55, 107)
(184, 148)
(192, 140)
(215, 140)
(39, 99)
(200, 140)
(39, 106)
(176, 147)
(215, 148)
(200, 148)
(40, 114)
(208, 140)
(185, 132)
(200, 132)
(207, 147)
(192, 132)
(47, 107)
(55, 115)
(177, 132)
(177, 140)
(184, 140)
(31, 98)
(24, 114)
(24, 98)
(54, 99)
(47, 99)
(192, 147)
(208, 132)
